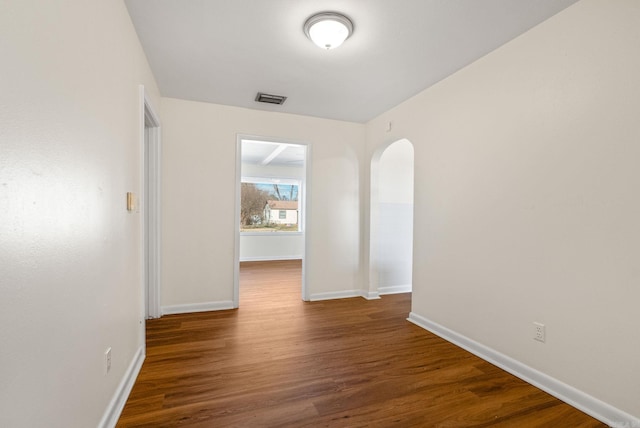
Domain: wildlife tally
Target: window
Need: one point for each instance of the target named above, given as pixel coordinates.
(269, 205)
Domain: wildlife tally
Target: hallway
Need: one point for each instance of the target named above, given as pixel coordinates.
(278, 361)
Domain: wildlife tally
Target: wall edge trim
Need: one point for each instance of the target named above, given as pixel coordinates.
(370, 295)
(269, 258)
(119, 399)
(395, 289)
(345, 294)
(197, 307)
(582, 401)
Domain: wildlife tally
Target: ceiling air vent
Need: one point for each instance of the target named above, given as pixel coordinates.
(270, 99)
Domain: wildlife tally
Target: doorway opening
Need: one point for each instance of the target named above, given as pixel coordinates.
(391, 221)
(271, 208)
(150, 202)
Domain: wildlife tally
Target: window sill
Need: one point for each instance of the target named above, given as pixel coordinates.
(274, 233)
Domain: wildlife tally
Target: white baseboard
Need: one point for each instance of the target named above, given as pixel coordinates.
(269, 258)
(370, 295)
(197, 307)
(335, 295)
(580, 400)
(119, 399)
(346, 294)
(395, 289)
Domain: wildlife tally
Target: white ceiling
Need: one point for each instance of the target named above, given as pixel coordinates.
(266, 153)
(225, 51)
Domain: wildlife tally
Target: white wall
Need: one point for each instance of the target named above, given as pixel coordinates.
(70, 258)
(526, 199)
(395, 181)
(271, 246)
(199, 158)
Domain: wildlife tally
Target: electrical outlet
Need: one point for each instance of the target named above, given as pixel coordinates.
(107, 361)
(539, 332)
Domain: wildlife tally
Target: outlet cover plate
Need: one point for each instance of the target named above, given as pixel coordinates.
(539, 332)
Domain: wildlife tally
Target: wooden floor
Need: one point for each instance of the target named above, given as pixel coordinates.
(281, 362)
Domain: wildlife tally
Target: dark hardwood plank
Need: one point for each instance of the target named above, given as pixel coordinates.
(278, 361)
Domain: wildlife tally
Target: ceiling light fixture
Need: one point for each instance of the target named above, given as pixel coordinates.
(328, 29)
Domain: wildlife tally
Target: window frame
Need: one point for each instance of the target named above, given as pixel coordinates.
(277, 180)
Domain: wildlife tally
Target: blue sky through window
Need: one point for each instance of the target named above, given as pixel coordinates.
(288, 192)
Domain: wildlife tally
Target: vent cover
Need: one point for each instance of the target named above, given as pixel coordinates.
(270, 99)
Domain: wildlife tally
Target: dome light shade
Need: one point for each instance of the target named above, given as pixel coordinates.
(328, 30)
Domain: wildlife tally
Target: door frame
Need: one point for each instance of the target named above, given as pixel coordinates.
(305, 218)
(151, 149)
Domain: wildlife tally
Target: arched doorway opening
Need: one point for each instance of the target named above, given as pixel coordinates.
(391, 219)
